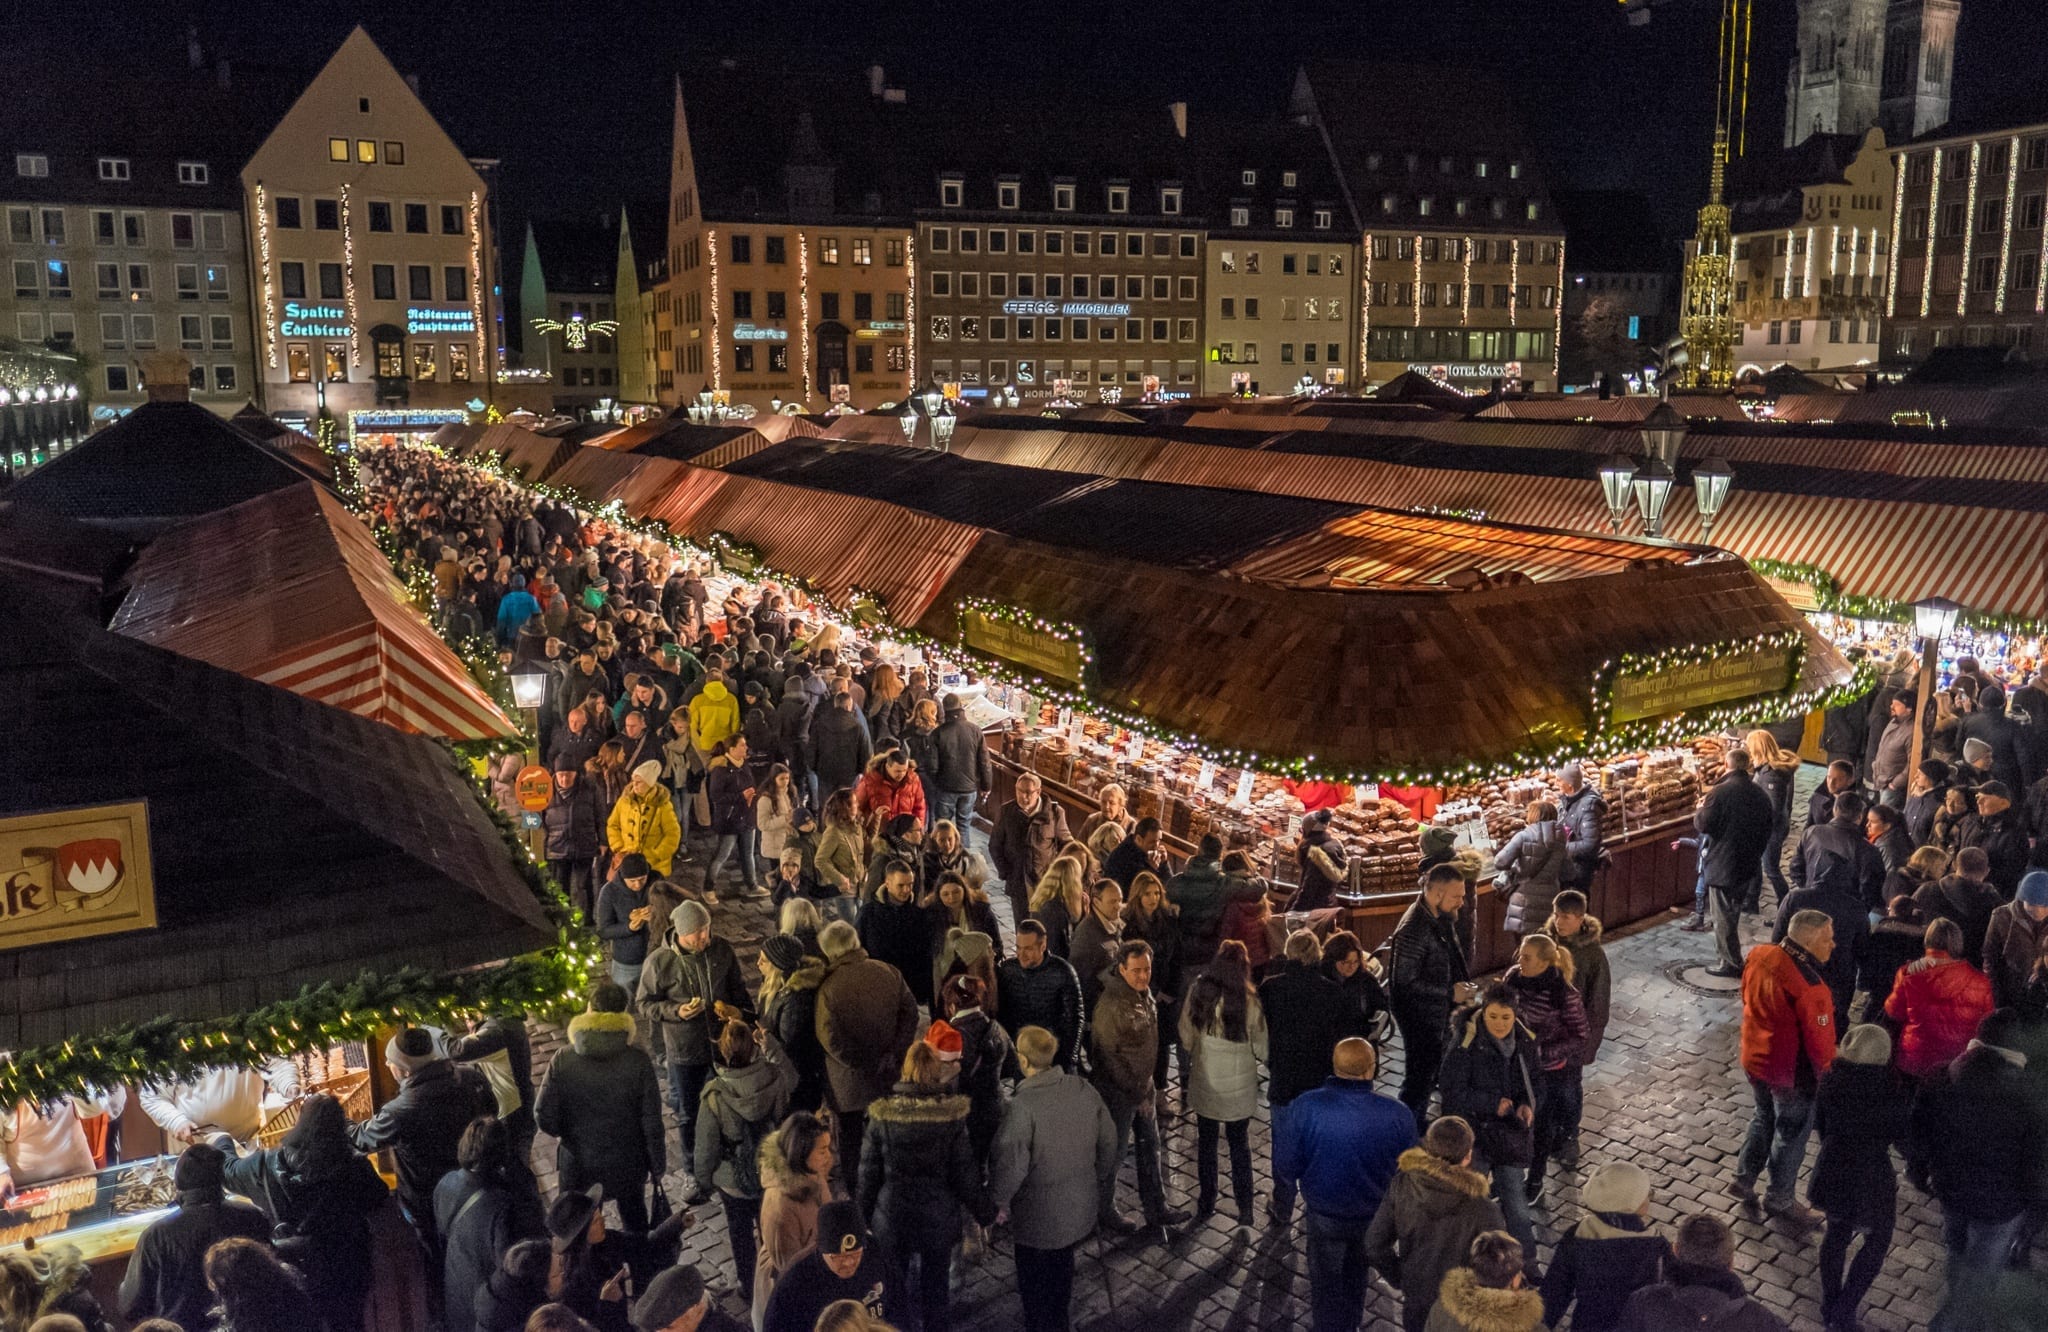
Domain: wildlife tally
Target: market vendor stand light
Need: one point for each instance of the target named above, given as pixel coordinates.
(1711, 482)
(1934, 618)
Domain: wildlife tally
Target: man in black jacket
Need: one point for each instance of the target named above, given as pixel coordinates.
(602, 1103)
(840, 748)
(1840, 848)
(1039, 989)
(423, 1124)
(166, 1273)
(1990, 724)
(1307, 1013)
(1841, 779)
(1735, 822)
(1995, 829)
(962, 772)
(1428, 978)
(1580, 810)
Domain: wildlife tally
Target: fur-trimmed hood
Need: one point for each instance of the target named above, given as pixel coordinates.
(792, 1181)
(809, 975)
(1588, 933)
(1470, 862)
(600, 1035)
(1435, 1174)
(908, 1106)
(1480, 1308)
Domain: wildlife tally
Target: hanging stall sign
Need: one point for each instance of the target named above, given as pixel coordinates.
(1667, 685)
(75, 873)
(535, 787)
(1023, 639)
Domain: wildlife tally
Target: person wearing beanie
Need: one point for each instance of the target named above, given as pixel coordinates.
(644, 820)
(423, 1124)
(1994, 828)
(602, 1105)
(689, 989)
(1434, 1207)
(2017, 932)
(1611, 1252)
(1860, 1110)
(166, 1274)
(625, 918)
(843, 1266)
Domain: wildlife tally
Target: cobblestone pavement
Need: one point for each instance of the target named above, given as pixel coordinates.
(1665, 1094)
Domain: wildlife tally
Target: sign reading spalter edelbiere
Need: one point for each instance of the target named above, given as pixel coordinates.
(75, 873)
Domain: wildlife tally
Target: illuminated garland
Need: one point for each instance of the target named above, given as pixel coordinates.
(476, 278)
(910, 312)
(803, 305)
(1465, 305)
(717, 357)
(1365, 316)
(1829, 596)
(1891, 282)
(1004, 613)
(2012, 182)
(1933, 229)
(1969, 229)
(348, 281)
(1557, 329)
(1514, 281)
(269, 288)
(1418, 280)
(1692, 654)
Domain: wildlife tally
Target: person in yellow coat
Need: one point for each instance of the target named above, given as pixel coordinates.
(714, 716)
(644, 820)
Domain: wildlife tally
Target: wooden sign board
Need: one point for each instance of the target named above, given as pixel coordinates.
(1022, 645)
(75, 873)
(1740, 673)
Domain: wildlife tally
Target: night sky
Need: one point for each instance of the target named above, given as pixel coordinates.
(575, 97)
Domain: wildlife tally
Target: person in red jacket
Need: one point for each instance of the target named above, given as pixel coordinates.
(1788, 1041)
(889, 787)
(1937, 1000)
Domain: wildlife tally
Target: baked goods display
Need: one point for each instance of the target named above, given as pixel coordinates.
(1643, 790)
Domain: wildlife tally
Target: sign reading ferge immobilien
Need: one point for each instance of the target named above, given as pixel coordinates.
(1739, 673)
(75, 873)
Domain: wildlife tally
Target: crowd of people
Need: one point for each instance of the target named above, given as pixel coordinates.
(906, 1085)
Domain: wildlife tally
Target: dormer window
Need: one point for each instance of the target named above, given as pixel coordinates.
(1287, 179)
(1283, 217)
(1322, 219)
(1240, 216)
(192, 173)
(950, 190)
(1479, 168)
(1169, 200)
(113, 168)
(31, 164)
(1006, 194)
(1063, 198)
(1119, 198)
(1249, 177)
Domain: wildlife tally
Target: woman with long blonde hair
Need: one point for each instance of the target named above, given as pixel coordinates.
(888, 711)
(1549, 1003)
(1772, 767)
(1059, 901)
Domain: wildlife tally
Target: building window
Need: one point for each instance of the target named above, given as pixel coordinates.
(451, 220)
(998, 241)
(298, 360)
(291, 279)
(109, 276)
(1240, 216)
(1283, 217)
(941, 283)
(424, 364)
(777, 250)
(113, 168)
(223, 332)
(330, 282)
(1792, 330)
(327, 215)
(138, 280)
(892, 252)
(950, 189)
(26, 285)
(337, 150)
(1322, 219)
(117, 379)
(1006, 194)
(828, 250)
(31, 164)
(416, 219)
(113, 331)
(458, 363)
(778, 305)
(286, 209)
(394, 153)
(366, 151)
(1062, 200)
(389, 356)
(1119, 198)
(419, 283)
(224, 379)
(1169, 201)
(380, 215)
(186, 279)
(383, 282)
(2030, 212)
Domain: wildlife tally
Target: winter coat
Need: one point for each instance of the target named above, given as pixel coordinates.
(1891, 945)
(777, 825)
(1203, 892)
(647, 824)
(330, 1211)
(1844, 729)
(882, 850)
(423, 1124)
(1550, 1006)
(1365, 998)
(1852, 933)
(730, 790)
(1738, 817)
(842, 856)
(1990, 724)
(900, 933)
(1023, 846)
(986, 1053)
(840, 748)
(1861, 1111)
(1425, 1226)
(1694, 1297)
(866, 1021)
(1126, 1031)
(166, 1275)
(1342, 1143)
(602, 1104)
(1052, 1156)
(917, 1169)
(1324, 871)
(478, 1219)
(1223, 1079)
(791, 1017)
(1591, 976)
(714, 716)
(877, 799)
(1463, 1305)
(1581, 814)
(739, 1108)
(1059, 930)
(1788, 1014)
(2012, 943)
(1091, 948)
(2004, 840)
(792, 727)
(504, 1304)
(1478, 1075)
(1602, 1261)
(962, 757)
(616, 904)
(672, 977)
(1428, 960)
(1306, 1015)
(1126, 861)
(1976, 1132)
(1968, 902)
(922, 745)
(1047, 995)
(1776, 782)
(1162, 931)
(790, 1199)
(1532, 861)
(570, 823)
(1937, 1002)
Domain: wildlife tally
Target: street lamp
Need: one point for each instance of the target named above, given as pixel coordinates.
(933, 400)
(1616, 475)
(909, 425)
(1934, 618)
(942, 430)
(1653, 491)
(1663, 434)
(529, 689)
(1711, 481)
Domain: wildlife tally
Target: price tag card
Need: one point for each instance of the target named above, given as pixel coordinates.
(1369, 791)
(1206, 778)
(1243, 795)
(1135, 750)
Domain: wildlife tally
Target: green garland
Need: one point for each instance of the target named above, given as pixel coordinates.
(1690, 654)
(1828, 594)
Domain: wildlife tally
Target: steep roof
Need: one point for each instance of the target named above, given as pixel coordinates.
(1767, 189)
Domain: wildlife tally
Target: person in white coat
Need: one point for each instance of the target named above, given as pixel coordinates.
(43, 1141)
(1223, 1031)
(223, 1100)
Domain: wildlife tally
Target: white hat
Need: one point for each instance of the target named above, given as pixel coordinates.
(649, 772)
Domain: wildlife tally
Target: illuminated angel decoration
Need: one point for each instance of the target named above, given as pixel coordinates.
(576, 332)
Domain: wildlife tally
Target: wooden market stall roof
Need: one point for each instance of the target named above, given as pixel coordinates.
(290, 589)
(293, 843)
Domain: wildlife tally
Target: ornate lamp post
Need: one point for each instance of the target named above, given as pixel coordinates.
(1653, 491)
(1616, 476)
(1933, 619)
(1711, 482)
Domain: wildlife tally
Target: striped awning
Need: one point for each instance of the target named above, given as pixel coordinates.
(291, 589)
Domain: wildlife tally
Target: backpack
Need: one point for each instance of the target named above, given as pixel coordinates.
(746, 1162)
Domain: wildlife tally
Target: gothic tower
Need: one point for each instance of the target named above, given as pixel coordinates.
(1834, 81)
(1919, 64)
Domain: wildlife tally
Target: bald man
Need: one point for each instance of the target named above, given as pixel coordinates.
(1342, 1143)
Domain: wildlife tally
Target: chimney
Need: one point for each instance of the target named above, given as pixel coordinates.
(877, 80)
(194, 57)
(166, 376)
(412, 81)
(222, 75)
(1179, 111)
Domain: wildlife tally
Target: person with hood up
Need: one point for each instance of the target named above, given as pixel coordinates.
(424, 1123)
(791, 722)
(1532, 860)
(1489, 1080)
(917, 1177)
(866, 1020)
(1937, 1003)
(690, 987)
(166, 1275)
(1490, 1295)
(643, 821)
(1432, 1211)
(1700, 1288)
(2014, 942)
(480, 1210)
(741, 1105)
(1609, 1255)
(795, 1167)
(1861, 1112)
(1549, 1004)
(602, 1105)
(789, 1012)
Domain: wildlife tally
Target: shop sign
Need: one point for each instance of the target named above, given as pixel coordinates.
(534, 787)
(425, 418)
(427, 319)
(1745, 672)
(885, 326)
(745, 332)
(315, 321)
(1468, 369)
(1022, 644)
(75, 873)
